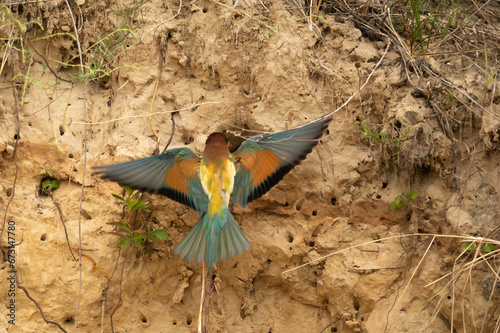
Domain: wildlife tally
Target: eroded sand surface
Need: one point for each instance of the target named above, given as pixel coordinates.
(246, 77)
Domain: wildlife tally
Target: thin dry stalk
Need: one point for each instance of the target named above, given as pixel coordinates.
(194, 106)
(416, 269)
(364, 84)
(84, 169)
(160, 70)
(105, 291)
(19, 286)
(173, 131)
(14, 154)
(153, 29)
(456, 273)
(64, 224)
(207, 302)
(260, 20)
(466, 266)
(121, 289)
(6, 52)
(200, 313)
(466, 238)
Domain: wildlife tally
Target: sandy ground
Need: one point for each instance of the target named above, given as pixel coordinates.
(243, 76)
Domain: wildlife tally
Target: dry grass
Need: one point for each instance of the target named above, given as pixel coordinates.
(457, 282)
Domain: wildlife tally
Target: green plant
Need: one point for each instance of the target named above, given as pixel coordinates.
(100, 59)
(43, 171)
(129, 233)
(17, 29)
(49, 183)
(423, 22)
(102, 54)
(385, 139)
(404, 199)
(486, 248)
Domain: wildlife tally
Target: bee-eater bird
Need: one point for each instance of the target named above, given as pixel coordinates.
(206, 183)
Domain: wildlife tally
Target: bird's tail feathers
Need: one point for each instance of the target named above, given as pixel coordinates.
(212, 244)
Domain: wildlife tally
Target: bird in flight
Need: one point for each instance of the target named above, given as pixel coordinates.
(207, 183)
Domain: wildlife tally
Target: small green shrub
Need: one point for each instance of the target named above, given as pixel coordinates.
(49, 183)
(404, 199)
(127, 233)
(486, 248)
(385, 139)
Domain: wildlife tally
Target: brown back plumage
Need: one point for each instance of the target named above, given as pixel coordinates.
(216, 145)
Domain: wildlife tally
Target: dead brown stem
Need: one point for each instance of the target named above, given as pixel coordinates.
(172, 134)
(207, 303)
(84, 168)
(62, 221)
(121, 290)
(4, 254)
(19, 286)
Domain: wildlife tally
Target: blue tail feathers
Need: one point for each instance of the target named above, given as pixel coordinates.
(211, 241)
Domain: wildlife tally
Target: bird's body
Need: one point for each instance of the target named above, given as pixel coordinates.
(217, 179)
(217, 173)
(208, 183)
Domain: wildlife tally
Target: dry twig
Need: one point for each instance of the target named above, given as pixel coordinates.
(84, 168)
(19, 286)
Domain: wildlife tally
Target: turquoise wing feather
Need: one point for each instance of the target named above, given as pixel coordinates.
(263, 160)
(173, 173)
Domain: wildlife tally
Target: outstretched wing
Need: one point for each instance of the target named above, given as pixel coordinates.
(263, 160)
(174, 174)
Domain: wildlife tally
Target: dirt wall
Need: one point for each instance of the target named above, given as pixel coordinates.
(210, 67)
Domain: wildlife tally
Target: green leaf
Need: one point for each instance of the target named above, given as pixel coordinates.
(136, 194)
(134, 206)
(123, 242)
(50, 185)
(128, 190)
(397, 202)
(491, 78)
(487, 248)
(138, 240)
(125, 226)
(116, 196)
(467, 247)
(42, 171)
(413, 194)
(395, 158)
(160, 234)
(54, 184)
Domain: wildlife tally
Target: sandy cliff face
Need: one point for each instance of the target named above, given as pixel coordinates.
(230, 70)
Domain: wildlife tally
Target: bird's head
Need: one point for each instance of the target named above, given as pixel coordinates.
(216, 145)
